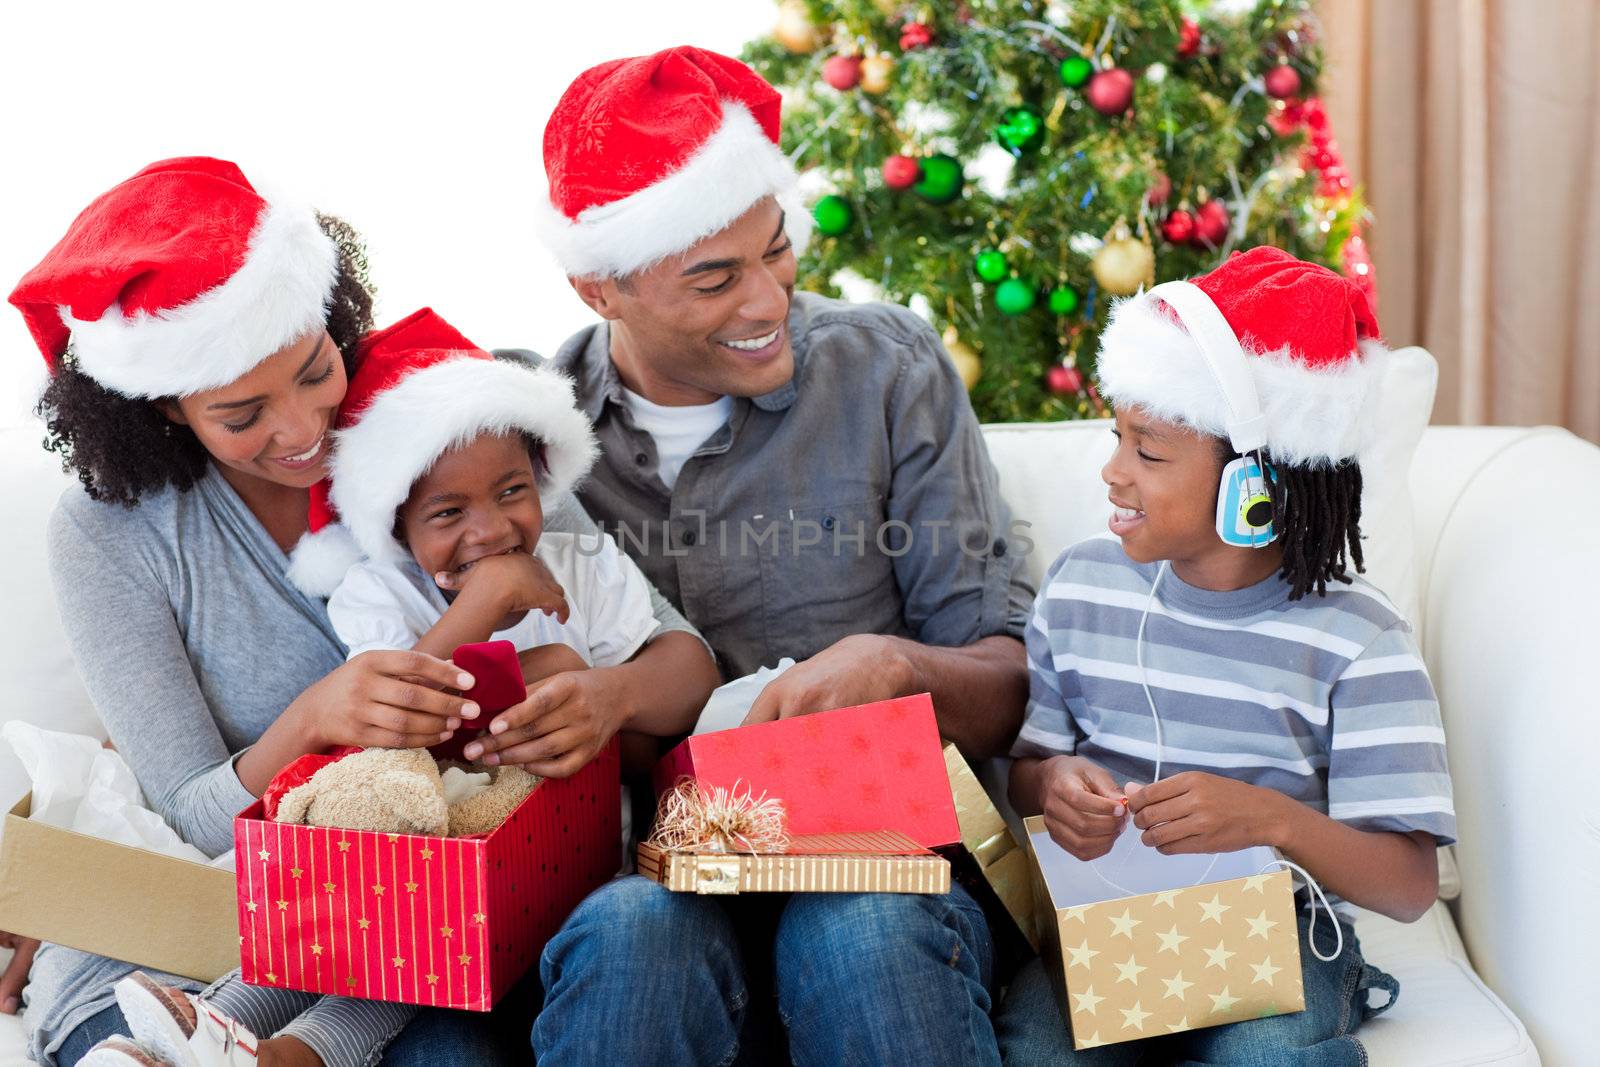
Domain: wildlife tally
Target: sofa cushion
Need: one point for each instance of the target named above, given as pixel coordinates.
(1446, 1016)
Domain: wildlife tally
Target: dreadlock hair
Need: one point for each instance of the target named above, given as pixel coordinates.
(121, 447)
(1316, 511)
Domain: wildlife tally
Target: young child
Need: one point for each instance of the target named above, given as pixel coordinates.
(444, 462)
(1294, 709)
(429, 533)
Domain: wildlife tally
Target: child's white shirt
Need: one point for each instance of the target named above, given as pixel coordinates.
(391, 606)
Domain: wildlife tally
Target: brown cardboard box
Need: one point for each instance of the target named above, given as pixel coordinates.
(113, 900)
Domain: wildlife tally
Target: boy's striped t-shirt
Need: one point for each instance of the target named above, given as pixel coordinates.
(1325, 699)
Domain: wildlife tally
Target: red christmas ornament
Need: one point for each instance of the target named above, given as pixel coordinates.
(1189, 39)
(1211, 223)
(1159, 191)
(842, 72)
(1283, 82)
(915, 35)
(1110, 92)
(901, 172)
(1178, 227)
(1064, 381)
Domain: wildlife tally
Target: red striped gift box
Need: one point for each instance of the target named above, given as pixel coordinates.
(442, 922)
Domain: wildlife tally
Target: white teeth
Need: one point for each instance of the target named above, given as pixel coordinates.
(1127, 514)
(754, 343)
(302, 457)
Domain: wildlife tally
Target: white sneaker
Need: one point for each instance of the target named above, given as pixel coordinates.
(162, 1028)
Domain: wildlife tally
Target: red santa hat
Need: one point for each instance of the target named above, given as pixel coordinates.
(180, 279)
(646, 156)
(421, 388)
(1311, 345)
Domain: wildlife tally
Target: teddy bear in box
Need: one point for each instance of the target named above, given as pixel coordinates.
(406, 791)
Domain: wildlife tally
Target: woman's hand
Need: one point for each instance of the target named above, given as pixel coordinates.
(387, 700)
(16, 974)
(516, 581)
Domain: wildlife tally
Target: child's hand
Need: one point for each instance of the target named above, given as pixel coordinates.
(1082, 806)
(564, 722)
(1199, 812)
(517, 581)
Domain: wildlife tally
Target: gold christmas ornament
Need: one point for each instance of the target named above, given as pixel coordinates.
(961, 354)
(795, 30)
(875, 73)
(1124, 263)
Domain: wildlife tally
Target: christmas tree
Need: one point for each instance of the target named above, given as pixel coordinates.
(1009, 167)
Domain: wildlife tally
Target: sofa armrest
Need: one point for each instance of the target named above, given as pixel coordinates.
(1512, 565)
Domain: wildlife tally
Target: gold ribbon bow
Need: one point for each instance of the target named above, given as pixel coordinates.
(691, 818)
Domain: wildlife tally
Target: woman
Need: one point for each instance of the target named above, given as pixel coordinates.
(199, 337)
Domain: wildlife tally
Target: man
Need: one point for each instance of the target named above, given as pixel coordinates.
(803, 478)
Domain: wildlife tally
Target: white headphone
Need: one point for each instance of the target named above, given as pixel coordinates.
(1244, 507)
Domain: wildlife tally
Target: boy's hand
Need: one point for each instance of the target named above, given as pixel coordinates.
(1199, 812)
(1082, 806)
(516, 581)
(564, 722)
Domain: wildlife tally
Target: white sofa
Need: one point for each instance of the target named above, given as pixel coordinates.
(1507, 532)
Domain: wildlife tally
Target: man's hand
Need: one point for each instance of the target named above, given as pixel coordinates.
(1082, 806)
(516, 581)
(565, 721)
(859, 669)
(16, 975)
(1199, 812)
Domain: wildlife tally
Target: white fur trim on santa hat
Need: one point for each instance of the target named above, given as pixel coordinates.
(410, 425)
(279, 294)
(1314, 417)
(319, 560)
(723, 179)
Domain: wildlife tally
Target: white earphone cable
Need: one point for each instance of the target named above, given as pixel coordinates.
(1138, 655)
(1144, 682)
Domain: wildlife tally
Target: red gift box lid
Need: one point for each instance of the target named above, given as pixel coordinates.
(872, 767)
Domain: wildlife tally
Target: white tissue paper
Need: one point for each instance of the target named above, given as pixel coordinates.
(729, 704)
(81, 786)
(462, 785)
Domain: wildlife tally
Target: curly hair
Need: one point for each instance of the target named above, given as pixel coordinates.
(122, 447)
(1316, 511)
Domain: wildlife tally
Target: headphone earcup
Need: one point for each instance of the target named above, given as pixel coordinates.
(1244, 510)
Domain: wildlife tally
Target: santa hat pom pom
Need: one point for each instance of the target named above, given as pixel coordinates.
(320, 560)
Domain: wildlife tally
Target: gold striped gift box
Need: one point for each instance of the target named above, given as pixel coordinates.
(879, 862)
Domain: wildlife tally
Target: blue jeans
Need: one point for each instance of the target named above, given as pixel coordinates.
(642, 975)
(435, 1036)
(1032, 1031)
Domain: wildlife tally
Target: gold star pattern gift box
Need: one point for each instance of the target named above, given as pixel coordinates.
(449, 922)
(1140, 944)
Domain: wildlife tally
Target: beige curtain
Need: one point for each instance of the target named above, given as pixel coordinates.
(1472, 125)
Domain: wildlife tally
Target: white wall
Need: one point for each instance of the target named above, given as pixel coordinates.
(419, 123)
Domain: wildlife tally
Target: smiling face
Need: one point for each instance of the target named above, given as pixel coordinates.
(709, 322)
(273, 423)
(476, 501)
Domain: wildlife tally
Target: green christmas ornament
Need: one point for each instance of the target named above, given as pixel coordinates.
(1021, 128)
(990, 265)
(1063, 300)
(833, 214)
(941, 179)
(1014, 296)
(1075, 70)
